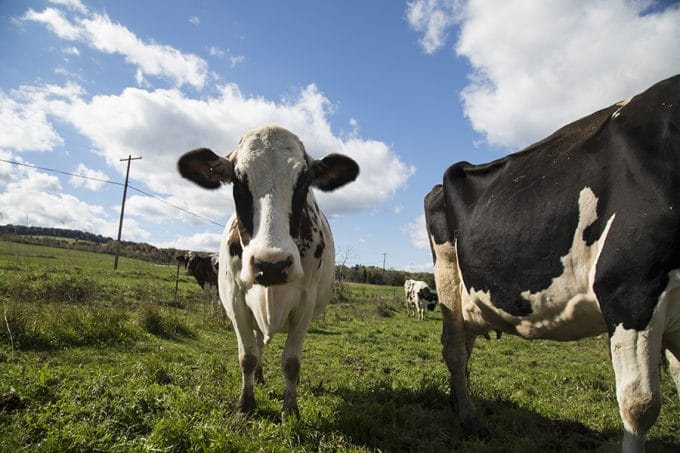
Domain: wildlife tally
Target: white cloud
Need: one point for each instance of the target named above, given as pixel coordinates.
(24, 123)
(72, 50)
(417, 233)
(235, 60)
(33, 197)
(99, 32)
(201, 242)
(540, 65)
(424, 267)
(94, 179)
(161, 125)
(194, 20)
(216, 52)
(56, 22)
(75, 5)
(434, 19)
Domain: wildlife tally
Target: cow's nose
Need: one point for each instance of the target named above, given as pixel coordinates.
(268, 273)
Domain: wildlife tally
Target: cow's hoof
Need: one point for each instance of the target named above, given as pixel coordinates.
(246, 405)
(259, 375)
(288, 414)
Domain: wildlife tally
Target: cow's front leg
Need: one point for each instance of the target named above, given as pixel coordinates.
(291, 362)
(249, 358)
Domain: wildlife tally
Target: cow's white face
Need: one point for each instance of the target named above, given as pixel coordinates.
(271, 175)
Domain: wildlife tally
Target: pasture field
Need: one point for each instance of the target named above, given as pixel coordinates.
(97, 360)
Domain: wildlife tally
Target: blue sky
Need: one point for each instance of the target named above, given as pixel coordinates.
(405, 88)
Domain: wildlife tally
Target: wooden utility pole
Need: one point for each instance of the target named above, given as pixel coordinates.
(122, 209)
(383, 272)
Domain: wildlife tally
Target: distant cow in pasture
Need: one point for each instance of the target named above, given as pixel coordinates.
(204, 269)
(277, 257)
(576, 235)
(418, 297)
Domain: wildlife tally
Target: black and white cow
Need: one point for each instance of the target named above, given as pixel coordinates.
(418, 297)
(576, 235)
(204, 269)
(277, 258)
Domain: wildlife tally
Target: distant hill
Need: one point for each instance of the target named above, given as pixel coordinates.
(82, 240)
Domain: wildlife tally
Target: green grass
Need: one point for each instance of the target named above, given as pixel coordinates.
(113, 361)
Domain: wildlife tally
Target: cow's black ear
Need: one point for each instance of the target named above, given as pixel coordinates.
(333, 171)
(180, 258)
(205, 168)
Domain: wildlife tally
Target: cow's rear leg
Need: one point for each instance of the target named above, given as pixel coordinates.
(259, 374)
(636, 356)
(457, 347)
(674, 369)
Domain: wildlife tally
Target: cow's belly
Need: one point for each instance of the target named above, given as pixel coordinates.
(556, 317)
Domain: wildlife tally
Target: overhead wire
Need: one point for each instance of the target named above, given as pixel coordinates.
(91, 178)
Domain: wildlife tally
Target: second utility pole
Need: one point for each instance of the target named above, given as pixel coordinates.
(122, 209)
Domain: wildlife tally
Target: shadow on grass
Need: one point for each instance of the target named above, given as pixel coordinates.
(420, 420)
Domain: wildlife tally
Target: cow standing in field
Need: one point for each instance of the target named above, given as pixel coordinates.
(418, 297)
(576, 235)
(204, 269)
(277, 258)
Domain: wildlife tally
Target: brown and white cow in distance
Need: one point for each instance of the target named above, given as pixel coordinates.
(204, 269)
(419, 296)
(277, 257)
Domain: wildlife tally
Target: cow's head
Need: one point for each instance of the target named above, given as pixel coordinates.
(271, 175)
(187, 260)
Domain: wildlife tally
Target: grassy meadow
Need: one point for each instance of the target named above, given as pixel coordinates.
(97, 360)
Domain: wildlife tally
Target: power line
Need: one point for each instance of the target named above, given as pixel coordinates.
(62, 172)
(130, 186)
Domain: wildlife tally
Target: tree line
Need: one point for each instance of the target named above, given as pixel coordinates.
(89, 242)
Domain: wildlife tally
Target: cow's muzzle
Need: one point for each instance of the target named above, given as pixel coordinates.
(268, 273)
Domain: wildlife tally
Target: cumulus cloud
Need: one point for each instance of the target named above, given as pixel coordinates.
(75, 5)
(160, 125)
(540, 65)
(434, 19)
(99, 32)
(33, 197)
(93, 179)
(24, 118)
(417, 233)
(201, 242)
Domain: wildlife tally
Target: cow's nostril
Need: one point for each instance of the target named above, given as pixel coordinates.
(269, 273)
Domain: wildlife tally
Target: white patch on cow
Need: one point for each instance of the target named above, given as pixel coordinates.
(568, 309)
(271, 181)
(636, 356)
(621, 105)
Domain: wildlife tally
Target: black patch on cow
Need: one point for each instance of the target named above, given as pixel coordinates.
(515, 218)
(299, 214)
(318, 253)
(243, 199)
